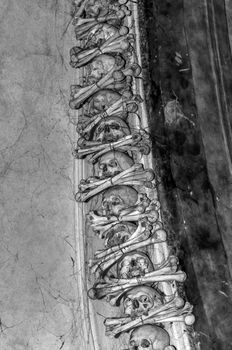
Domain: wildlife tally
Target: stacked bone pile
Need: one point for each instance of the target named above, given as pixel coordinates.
(114, 144)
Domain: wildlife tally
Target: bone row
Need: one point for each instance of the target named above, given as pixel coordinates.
(128, 219)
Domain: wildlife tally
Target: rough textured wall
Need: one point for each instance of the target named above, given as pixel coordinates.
(186, 94)
(228, 4)
(38, 301)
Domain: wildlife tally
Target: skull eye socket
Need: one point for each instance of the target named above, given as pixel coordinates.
(145, 343)
(116, 201)
(105, 203)
(101, 166)
(100, 129)
(115, 126)
(133, 344)
(113, 163)
(144, 299)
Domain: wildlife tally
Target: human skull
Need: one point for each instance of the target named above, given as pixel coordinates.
(95, 8)
(102, 100)
(134, 264)
(119, 233)
(99, 34)
(139, 300)
(99, 67)
(150, 337)
(112, 163)
(117, 198)
(110, 130)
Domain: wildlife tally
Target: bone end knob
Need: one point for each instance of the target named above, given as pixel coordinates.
(179, 302)
(189, 320)
(92, 294)
(161, 234)
(123, 30)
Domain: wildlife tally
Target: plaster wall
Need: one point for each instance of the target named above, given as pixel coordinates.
(39, 305)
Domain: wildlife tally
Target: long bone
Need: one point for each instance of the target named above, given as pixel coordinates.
(159, 235)
(99, 291)
(169, 266)
(102, 265)
(80, 58)
(184, 314)
(136, 175)
(136, 141)
(119, 108)
(117, 16)
(119, 42)
(80, 94)
(169, 312)
(80, 8)
(140, 212)
(143, 231)
(116, 79)
(103, 223)
(83, 30)
(173, 305)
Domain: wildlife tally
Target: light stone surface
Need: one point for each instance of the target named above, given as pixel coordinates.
(228, 5)
(39, 305)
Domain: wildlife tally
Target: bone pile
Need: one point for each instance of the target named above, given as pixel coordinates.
(134, 271)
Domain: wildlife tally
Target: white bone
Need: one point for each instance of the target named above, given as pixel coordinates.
(115, 78)
(143, 229)
(174, 308)
(83, 93)
(117, 43)
(136, 213)
(101, 290)
(118, 108)
(136, 175)
(112, 258)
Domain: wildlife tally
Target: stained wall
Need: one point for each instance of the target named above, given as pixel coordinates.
(190, 75)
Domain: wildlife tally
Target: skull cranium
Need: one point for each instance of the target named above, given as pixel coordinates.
(102, 100)
(99, 34)
(119, 233)
(112, 163)
(95, 8)
(140, 300)
(117, 198)
(110, 130)
(99, 67)
(134, 264)
(150, 337)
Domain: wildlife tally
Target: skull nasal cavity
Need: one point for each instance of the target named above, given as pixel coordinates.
(135, 304)
(107, 128)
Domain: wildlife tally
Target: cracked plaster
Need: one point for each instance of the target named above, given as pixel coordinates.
(39, 305)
